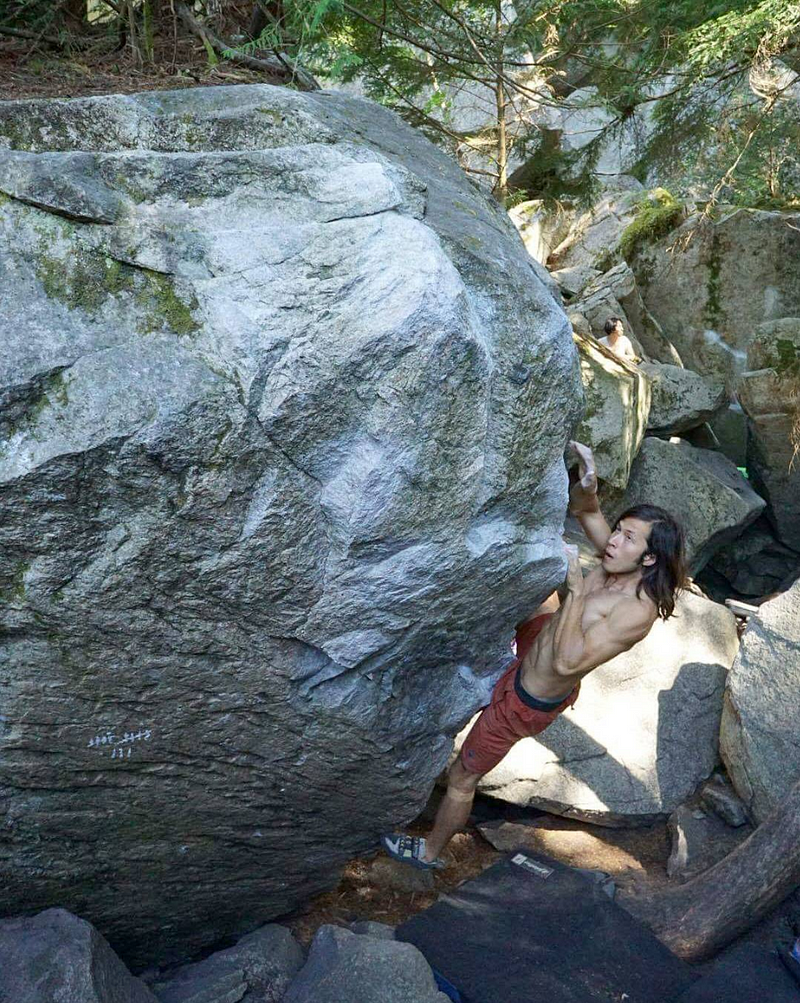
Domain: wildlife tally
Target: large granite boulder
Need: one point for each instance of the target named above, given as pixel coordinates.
(769, 392)
(617, 410)
(709, 286)
(759, 734)
(643, 732)
(700, 487)
(284, 409)
(681, 399)
(56, 957)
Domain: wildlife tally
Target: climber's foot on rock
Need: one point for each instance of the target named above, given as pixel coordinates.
(409, 850)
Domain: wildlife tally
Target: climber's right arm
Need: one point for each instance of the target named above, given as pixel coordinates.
(583, 503)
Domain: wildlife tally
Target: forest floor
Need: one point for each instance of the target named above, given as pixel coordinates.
(27, 72)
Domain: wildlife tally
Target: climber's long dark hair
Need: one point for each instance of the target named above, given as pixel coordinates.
(664, 579)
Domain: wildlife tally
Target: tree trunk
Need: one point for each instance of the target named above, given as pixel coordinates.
(75, 14)
(500, 95)
(702, 916)
(264, 13)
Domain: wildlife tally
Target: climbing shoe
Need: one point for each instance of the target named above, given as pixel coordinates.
(409, 850)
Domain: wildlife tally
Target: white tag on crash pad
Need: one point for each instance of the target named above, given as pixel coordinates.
(531, 865)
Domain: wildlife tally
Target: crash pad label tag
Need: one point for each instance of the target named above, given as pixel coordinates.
(531, 865)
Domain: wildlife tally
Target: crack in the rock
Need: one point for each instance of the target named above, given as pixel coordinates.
(73, 217)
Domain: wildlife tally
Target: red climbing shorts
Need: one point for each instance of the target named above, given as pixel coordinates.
(512, 714)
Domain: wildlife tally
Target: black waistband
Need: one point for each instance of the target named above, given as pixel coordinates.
(536, 703)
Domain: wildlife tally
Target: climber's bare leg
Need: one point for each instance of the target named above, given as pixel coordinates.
(454, 809)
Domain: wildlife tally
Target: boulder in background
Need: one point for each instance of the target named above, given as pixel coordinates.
(759, 738)
(617, 410)
(700, 487)
(680, 399)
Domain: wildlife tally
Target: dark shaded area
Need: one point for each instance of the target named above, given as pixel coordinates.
(749, 974)
(540, 930)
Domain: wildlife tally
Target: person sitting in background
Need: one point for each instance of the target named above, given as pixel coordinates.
(617, 341)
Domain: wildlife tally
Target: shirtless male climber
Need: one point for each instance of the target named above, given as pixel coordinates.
(641, 571)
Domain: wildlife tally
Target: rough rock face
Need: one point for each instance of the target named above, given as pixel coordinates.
(594, 236)
(770, 394)
(681, 399)
(700, 487)
(284, 408)
(362, 969)
(759, 738)
(617, 410)
(703, 295)
(643, 732)
(540, 229)
(258, 969)
(56, 957)
(753, 565)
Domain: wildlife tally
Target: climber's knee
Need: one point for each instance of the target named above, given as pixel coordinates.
(461, 784)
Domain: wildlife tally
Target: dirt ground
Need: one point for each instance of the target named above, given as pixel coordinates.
(38, 73)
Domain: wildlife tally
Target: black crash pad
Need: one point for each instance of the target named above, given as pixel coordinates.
(750, 973)
(532, 930)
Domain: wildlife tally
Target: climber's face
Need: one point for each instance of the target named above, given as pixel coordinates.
(627, 546)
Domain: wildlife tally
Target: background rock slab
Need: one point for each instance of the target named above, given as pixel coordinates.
(700, 487)
(285, 402)
(759, 737)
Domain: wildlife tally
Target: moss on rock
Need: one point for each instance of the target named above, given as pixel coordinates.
(659, 213)
(88, 279)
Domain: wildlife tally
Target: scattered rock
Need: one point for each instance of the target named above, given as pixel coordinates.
(55, 957)
(700, 487)
(681, 399)
(269, 436)
(258, 969)
(699, 841)
(343, 966)
(573, 280)
(388, 873)
(369, 928)
(729, 425)
(769, 393)
(753, 565)
(759, 736)
(718, 796)
(643, 733)
(617, 409)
